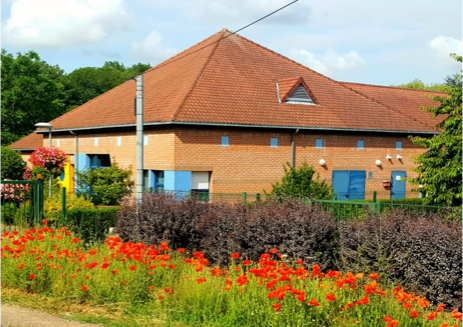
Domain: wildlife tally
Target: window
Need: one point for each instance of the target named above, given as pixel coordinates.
(99, 161)
(274, 142)
(153, 180)
(145, 140)
(159, 180)
(360, 145)
(318, 144)
(57, 143)
(225, 141)
(119, 141)
(398, 145)
(95, 141)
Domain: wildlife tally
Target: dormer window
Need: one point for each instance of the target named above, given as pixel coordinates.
(294, 91)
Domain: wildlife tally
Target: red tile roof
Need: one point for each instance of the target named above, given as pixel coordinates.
(233, 82)
(29, 142)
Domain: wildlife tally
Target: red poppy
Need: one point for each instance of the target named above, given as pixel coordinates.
(276, 306)
(73, 276)
(164, 246)
(201, 280)
(32, 276)
(235, 255)
(246, 262)
(314, 303)
(105, 265)
(21, 266)
(300, 262)
(181, 250)
(83, 288)
(44, 222)
(115, 271)
(330, 297)
(133, 268)
(167, 290)
(273, 251)
(413, 314)
(380, 292)
(432, 315)
(373, 276)
(151, 287)
(406, 305)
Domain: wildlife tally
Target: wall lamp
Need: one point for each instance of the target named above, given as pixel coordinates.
(399, 157)
(388, 157)
(378, 162)
(322, 162)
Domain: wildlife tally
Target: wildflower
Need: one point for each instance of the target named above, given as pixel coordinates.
(456, 314)
(83, 288)
(151, 287)
(44, 222)
(380, 292)
(21, 266)
(350, 305)
(105, 265)
(201, 280)
(246, 262)
(276, 306)
(413, 314)
(363, 300)
(181, 250)
(237, 268)
(73, 276)
(315, 270)
(444, 324)
(133, 268)
(373, 276)
(432, 315)
(406, 306)
(235, 255)
(273, 251)
(167, 290)
(115, 272)
(32, 276)
(86, 277)
(172, 266)
(314, 303)
(300, 262)
(164, 246)
(330, 297)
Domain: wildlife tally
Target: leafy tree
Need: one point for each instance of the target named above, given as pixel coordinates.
(13, 166)
(301, 182)
(440, 170)
(418, 84)
(453, 80)
(105, 185)
(31, 93)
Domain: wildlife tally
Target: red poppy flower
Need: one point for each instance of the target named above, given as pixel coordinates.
(246, 262)
(406, 305)
(105, 265)
(300, 262)
(133, 268)
(32, 276)
(151, 287)
(330, 297)
(235, 255)
(373, 276)
(44, 222)
(73, 276)
(276, 306)
(83, 288)
(413, 314)
(115, 271)
(21, 266)
(273, 251)
(201, 280)
(180, 250)
(314, 303)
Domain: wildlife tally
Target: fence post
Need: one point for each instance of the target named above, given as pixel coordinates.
(244, 197)
(63, 208)
(258, 197)
(374, 196)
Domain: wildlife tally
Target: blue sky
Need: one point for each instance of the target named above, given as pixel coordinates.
(364, 41)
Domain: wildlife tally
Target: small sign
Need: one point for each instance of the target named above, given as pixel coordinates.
(398, 178)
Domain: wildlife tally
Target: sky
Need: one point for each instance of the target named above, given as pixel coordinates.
(374, 42)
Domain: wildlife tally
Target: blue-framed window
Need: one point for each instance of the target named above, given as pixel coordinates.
(145, 140)
(274, 142)
(318, 144)
(360, 145)
(99, 161)
(398, 145)
(119, 141)
(95, 141)
(225, 141)
(153, 180)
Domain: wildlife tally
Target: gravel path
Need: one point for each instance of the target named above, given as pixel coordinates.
(15, 316)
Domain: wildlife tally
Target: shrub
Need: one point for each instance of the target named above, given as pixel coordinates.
(91, 224)
(52, 207)
(301, 182)
(12, 164)
(418, 249)
(220, 229)
(105, 185)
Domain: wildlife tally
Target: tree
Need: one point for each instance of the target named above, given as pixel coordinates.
(300, 182)
(418, 84)
(105, 185)
(13, 166)
(440, 170)
(31, 93)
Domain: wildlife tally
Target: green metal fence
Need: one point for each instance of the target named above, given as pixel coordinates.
(345, 210)
(21, 203)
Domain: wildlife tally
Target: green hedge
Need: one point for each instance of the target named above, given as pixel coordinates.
(91, 224)
(415, 201)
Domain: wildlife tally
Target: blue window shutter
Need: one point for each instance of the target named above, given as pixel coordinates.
(274, 142)
(398, 145)
(225, 141)
(359, 144)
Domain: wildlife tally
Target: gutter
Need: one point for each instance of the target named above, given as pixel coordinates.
(181, 123)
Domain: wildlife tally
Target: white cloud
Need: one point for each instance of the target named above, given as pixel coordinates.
(444, 46)
(328, 63)
(64, 23)
(152, 49)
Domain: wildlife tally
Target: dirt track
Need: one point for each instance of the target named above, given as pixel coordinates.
(15, 316)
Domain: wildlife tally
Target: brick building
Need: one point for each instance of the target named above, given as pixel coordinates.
(226, 117)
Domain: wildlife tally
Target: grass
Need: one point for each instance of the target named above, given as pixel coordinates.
(126, 284)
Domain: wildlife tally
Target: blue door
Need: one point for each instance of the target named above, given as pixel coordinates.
(398, 185)
(349, 184)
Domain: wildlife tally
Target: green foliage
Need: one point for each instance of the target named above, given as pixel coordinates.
(52, 207)
(91, 224)
(105, 185)
(417, 84)
(12, 164)
(31, 93)
(440, 170)
(301, 182)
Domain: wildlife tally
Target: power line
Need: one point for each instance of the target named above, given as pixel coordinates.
(224, 37)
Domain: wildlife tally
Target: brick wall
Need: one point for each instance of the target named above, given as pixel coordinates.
(249, 163)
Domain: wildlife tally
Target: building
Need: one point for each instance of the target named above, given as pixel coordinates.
(227, 113)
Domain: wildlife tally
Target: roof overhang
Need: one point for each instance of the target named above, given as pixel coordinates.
(182, 123)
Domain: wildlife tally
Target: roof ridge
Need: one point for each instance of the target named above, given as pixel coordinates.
(201, 72)
(392, 87)
(377, 101)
